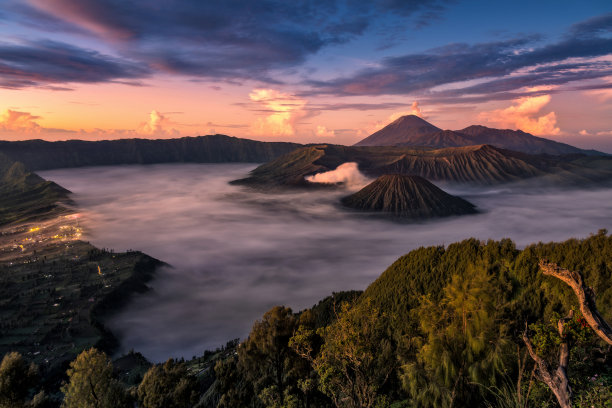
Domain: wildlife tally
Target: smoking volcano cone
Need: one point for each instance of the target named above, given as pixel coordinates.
(410, 197)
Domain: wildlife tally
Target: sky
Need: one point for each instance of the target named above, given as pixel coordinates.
(328, 71)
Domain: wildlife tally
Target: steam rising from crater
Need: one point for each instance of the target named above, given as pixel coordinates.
(346, 173)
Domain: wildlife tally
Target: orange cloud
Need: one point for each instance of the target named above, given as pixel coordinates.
(284, 111)
(25, 124)
(157, 125)
(19, 122)
(322, 131)
(524, 115)
(414, 110)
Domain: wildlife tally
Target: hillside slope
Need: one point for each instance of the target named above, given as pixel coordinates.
(24, 195)
(425, 272)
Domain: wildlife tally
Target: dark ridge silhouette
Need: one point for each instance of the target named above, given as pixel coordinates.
(407, 197)
(43, 155)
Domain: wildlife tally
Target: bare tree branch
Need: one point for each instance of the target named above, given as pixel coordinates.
(586, 298)
(557, 381)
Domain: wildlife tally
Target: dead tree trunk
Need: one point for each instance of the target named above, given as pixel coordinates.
(586, 298)
(557, 380)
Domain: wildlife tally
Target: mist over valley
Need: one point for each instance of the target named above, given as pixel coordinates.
(234, 251)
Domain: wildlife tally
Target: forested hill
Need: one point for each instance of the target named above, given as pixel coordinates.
(441, 327)
(43, 155)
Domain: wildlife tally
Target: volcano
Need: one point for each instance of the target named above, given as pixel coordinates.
(411, 130)
(402, 130)
(410, 197)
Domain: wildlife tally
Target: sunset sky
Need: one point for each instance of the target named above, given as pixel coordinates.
(305, 71)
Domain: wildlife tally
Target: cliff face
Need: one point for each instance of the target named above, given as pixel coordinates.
(407, 197)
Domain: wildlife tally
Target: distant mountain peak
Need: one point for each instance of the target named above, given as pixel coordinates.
(401, 130)
(411, 130)
(412, 120)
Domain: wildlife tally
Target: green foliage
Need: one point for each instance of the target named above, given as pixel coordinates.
(168, 385)
(452, 318)
(16, 379)
(91, 384)
(463, 342)
(266, 355)
(356, 358)
(233, 388)
(598, 393)
(439, 328)
(546, 338)
(415, 292)
(324, 312)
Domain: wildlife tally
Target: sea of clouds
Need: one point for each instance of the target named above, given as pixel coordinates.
(235, 252)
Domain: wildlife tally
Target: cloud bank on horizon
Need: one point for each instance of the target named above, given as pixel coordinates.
(290, 65)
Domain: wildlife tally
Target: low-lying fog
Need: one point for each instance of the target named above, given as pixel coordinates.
(235, 253)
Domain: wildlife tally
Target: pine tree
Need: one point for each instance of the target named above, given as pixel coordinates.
(356, 358)
(91, 384)
(267, 357)
(16, 378)
(168, 385)
(463, 342)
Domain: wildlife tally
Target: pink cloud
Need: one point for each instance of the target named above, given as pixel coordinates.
(284, 110)
(322, 131)
(157, 125)
(525, 115)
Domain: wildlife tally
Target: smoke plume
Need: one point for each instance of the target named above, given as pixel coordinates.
(346, 173)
